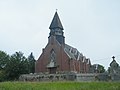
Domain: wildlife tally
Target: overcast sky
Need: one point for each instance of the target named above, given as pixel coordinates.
(91, 26)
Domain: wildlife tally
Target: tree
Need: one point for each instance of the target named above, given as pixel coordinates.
(4, 58)
(101, 69)
(11, 67)
(2, 75)
(31, 61)
(16, 66)
(97, 68)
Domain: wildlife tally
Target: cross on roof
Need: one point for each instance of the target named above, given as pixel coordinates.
(113, 57)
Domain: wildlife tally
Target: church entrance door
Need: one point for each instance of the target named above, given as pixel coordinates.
(52, 70)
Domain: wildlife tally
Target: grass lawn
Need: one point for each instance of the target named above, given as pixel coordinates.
(60, 86)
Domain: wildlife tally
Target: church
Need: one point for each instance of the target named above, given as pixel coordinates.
(59, 57)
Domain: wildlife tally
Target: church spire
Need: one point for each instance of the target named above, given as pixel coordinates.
(56, 29)
(56, 23)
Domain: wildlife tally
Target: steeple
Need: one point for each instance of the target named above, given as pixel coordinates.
(56, 23)
(56, 29)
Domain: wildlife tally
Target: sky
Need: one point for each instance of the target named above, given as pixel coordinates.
(91, 26)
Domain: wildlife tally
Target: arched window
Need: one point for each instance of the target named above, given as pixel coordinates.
(52, 56)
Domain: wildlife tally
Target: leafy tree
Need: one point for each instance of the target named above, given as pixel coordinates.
(16, 66)
(4, 58)
(11, 67)
(97, 68)
(31, 61)
(101, 69)
(2, 75)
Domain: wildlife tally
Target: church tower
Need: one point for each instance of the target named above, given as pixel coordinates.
(56, 29)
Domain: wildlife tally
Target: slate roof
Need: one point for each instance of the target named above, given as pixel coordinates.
(56, 23)
(72, 52)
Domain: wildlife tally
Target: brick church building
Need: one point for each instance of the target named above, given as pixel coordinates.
(59, 57)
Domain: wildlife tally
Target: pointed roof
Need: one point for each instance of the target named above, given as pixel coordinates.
(56, 23)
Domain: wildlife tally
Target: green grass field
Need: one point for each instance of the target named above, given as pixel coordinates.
(60, 86)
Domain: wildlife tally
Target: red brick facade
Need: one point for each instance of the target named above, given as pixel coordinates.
(58, 56)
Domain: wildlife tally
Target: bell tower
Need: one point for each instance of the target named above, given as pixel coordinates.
(56, 29)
